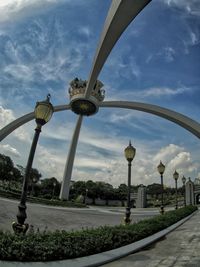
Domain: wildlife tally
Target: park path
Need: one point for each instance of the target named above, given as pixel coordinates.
(180, 248)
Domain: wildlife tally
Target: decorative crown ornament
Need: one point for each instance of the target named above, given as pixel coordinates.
(78, 103)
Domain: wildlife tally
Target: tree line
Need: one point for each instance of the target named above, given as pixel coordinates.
(11, 178)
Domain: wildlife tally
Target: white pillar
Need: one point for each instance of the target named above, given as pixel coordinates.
(64, 192)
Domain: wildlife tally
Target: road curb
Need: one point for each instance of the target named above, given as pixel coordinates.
(104, 257)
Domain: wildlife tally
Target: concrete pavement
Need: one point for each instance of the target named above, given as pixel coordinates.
(180, 248)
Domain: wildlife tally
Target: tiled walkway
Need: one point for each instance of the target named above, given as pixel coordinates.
(180, 248)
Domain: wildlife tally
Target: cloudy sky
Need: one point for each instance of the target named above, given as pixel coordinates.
(45, 44)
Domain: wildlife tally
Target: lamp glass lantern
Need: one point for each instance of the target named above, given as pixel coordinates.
(161, 168)
(43, 111)
(129, 152)
(176, 175)
(183, 179)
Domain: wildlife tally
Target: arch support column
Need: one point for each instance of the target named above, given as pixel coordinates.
(64, 192)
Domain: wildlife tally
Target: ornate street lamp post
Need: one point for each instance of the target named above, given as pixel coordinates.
(54, 186)
(3, 164)
(190, 187)
(34, 181)
(184, 180)
(43, 113)
(129, 154)
(161, 169)
(176, 175)
(86, 193)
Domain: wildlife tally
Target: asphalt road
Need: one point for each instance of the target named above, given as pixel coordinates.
(61, 218)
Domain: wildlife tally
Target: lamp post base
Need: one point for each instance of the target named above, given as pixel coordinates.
(20, 228)
(127, 219)
(162, 211)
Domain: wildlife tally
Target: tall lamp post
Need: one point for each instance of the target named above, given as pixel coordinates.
(184, 180)
(176, 175)
(86, 193)
(190, 190)
(43, 113)
(34, 181)
(161, 169)
(53, 193)
(129, 153)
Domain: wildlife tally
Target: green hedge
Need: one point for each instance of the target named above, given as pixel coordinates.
(54, 202)
(59, 245)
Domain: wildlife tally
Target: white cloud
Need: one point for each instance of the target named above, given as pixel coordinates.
(11, 10)
(20, 72)
(9, 150)
(85, 30)
(191, 39)
(120, 67)
(169, 53)
(164, 91)
(144, 167)
(140, 95)
(194, 38)
(50, 162)
(176, 158)
(7, 116)
(192, 7)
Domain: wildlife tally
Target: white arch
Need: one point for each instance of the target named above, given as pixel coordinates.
(184, 121)
(119, 16)
(9, 128)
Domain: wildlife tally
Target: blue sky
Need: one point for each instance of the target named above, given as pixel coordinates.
(45, 44)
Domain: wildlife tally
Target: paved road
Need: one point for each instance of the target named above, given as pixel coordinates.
(180, 248)
(41, 216)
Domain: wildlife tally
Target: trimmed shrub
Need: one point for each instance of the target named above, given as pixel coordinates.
(47, 246)
(54, 202)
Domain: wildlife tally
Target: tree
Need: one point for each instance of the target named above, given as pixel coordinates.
(79, 188)
(92, 190)
(154, 189)
(6, 168)
(122, 191)
(49, 187)
(35, 175)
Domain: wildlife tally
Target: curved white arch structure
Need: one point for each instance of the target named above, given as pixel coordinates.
(184, 121)
(115, 24)
(9, 128)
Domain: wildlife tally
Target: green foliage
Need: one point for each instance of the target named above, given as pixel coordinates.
(16, 195)
(49, 188)
(59, 245)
